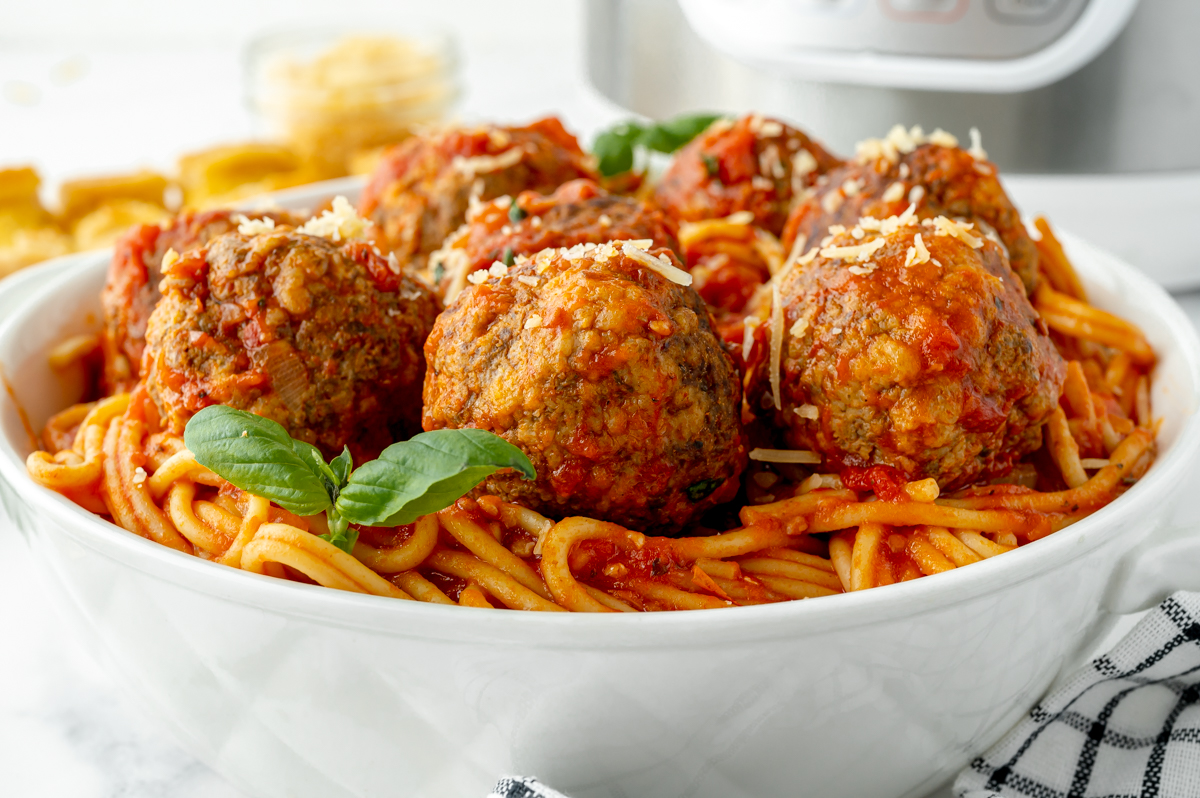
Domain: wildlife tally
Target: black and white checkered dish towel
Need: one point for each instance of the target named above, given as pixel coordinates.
(1126, 724)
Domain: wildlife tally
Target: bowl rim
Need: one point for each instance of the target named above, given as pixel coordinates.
(601, 631)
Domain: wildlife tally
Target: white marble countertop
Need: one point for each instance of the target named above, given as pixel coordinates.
(64, 731)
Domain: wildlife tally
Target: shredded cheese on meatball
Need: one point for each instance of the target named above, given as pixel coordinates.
(483, 164)
(252, 227)
(894, 192)
(860, 252)
(802, 456)
(976, 150)
(341, 222)
(657, 263)
(749, 325)
(808, 411)
(900, 141)
(770, 128)
(917, 253)
(776, 343)
(955, 229)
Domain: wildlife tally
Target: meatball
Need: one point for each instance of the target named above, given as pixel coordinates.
(324, 338)
(131, 290)
(753, 164)
(420, 192)
(579, 212)
(605, 373)
(938, 176)
(911, 345)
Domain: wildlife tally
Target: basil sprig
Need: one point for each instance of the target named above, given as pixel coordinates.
(614, 148)
(412, 478)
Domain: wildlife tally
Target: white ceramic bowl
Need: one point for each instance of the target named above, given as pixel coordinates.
(288, 689)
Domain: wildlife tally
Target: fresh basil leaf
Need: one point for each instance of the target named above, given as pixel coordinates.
(426, 474)
(341, 466)
(340, 534)
(614, 148)
(672, 134)
(258, 456)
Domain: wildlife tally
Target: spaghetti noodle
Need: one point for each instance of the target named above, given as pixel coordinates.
(802, 534)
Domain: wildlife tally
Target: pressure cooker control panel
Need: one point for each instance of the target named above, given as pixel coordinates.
(980, 45)
(940, 28)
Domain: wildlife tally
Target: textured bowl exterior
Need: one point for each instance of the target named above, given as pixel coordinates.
(296, 690)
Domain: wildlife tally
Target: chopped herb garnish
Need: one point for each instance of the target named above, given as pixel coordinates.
(516, 213)
(508, 258)
(711, 165)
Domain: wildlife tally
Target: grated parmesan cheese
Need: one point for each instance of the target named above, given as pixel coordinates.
(605, 220)
(658, 263)
(808, 411)
(770, 128)
(776, 343)
(139, 475)
(862, 271)
(477, 277)
(761, 183)
(917, 253)
(861, 252)
(804, 162)
(831, 201)
(527, 280)
(253, 227)
(169, 260)
(741, 217)
(341, 222)
(976, 150)
(851, 187)
(943, 139)
(801, 456)
(894, 192)
(900, 141)
(750, 324)
(800, 327)
(955, 229)
(484, 164)
(533, 322)
(916, 194)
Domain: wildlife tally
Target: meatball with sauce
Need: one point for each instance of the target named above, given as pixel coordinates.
(578, 212)
(606, 373)
(420, 192)
(131, 290)
(933, 173)
(324, 338)
(754, 164)
(911, 345)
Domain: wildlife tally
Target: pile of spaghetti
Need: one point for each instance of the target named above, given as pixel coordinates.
(799, 532)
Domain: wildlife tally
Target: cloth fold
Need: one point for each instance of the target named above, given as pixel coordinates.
(1125, 724)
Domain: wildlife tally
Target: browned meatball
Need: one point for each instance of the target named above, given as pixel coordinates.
(941, 178)
(753, 164)
(605, 373)
(579, 212)
(324, 338)
(911, 346)
(420, 192)
(131, 291)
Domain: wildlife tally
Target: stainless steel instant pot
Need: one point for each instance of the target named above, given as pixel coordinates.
(1090, 107)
